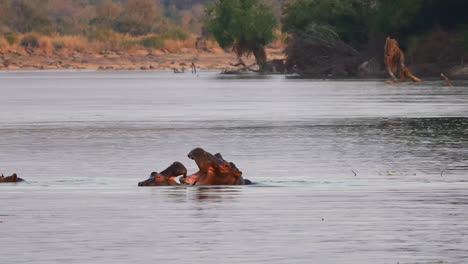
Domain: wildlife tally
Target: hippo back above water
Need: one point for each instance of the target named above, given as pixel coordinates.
(12, 178)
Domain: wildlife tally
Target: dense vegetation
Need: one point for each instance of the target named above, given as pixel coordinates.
(429, 31)
(97, 25)
(72, 17)
(245, 25)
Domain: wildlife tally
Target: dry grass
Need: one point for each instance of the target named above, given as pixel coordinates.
(4, 46)
(45, 45)
(108, 41)
(70, 43)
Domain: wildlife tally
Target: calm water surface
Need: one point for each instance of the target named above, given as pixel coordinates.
(347, 171)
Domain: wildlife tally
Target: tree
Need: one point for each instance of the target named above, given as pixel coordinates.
(106, 14)
(27, 15)
(245, 25)
(108, 10)
(343, 19)
(137, 17)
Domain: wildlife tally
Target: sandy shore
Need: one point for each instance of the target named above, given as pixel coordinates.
(140, 60)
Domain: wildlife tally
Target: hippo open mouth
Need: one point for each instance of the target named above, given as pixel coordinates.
(203, 159)
(213, 170)
(192, 179)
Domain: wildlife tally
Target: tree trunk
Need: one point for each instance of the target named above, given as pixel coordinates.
(260, 58)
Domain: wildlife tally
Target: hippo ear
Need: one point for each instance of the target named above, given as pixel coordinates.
(218, 155)
(153, 174)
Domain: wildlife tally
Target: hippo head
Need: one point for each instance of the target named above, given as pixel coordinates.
(155, 179)
(203, 159)
(12, 178)
(214, 170)
(166, 177)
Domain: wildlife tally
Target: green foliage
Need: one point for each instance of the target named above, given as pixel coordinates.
(245, 25)
(103, 35)
(153, 42)
(464, 38)
(355, 21)
(175, 33)
(398, 16)
(345, 19)
(12, 38)
(322, 30)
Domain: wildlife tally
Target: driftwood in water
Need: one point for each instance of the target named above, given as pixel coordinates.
(245, 67)
(394, 60)
(194, 68)
(447, 81)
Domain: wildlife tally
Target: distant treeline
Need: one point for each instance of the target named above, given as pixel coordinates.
(83, 17)
(358, 21)
(432, 33)
(361, 24)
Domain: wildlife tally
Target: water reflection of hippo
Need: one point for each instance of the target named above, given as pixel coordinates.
(12, 178)
(166, 177)
(213, 170)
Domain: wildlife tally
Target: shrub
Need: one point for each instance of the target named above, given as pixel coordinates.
(58, 44)
(464, 38)
(102, 35)
(3, 44)
(30, 41)
(128, 44)
(175, 34)
(153, 42)
(12, 38)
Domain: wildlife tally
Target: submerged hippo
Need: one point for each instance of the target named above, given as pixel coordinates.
(213, 170)
(12, 178)
(166, 177)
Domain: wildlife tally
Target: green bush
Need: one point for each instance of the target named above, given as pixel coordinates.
(152, 42)
(12, 38)
(128, 44)
(177, 34)
(464, 38)
(103, 35)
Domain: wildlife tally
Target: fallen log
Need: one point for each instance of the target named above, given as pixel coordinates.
(394, 60)
(447, 81)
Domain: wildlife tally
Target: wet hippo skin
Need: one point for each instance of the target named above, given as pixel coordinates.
(166, 177)
(12, 178)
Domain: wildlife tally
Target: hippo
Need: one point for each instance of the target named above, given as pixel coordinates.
(166, 177)
(213, 170)
(12, 178)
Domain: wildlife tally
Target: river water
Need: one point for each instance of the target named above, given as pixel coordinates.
(346, 171)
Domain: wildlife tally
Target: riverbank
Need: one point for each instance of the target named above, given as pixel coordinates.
(217, 59)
